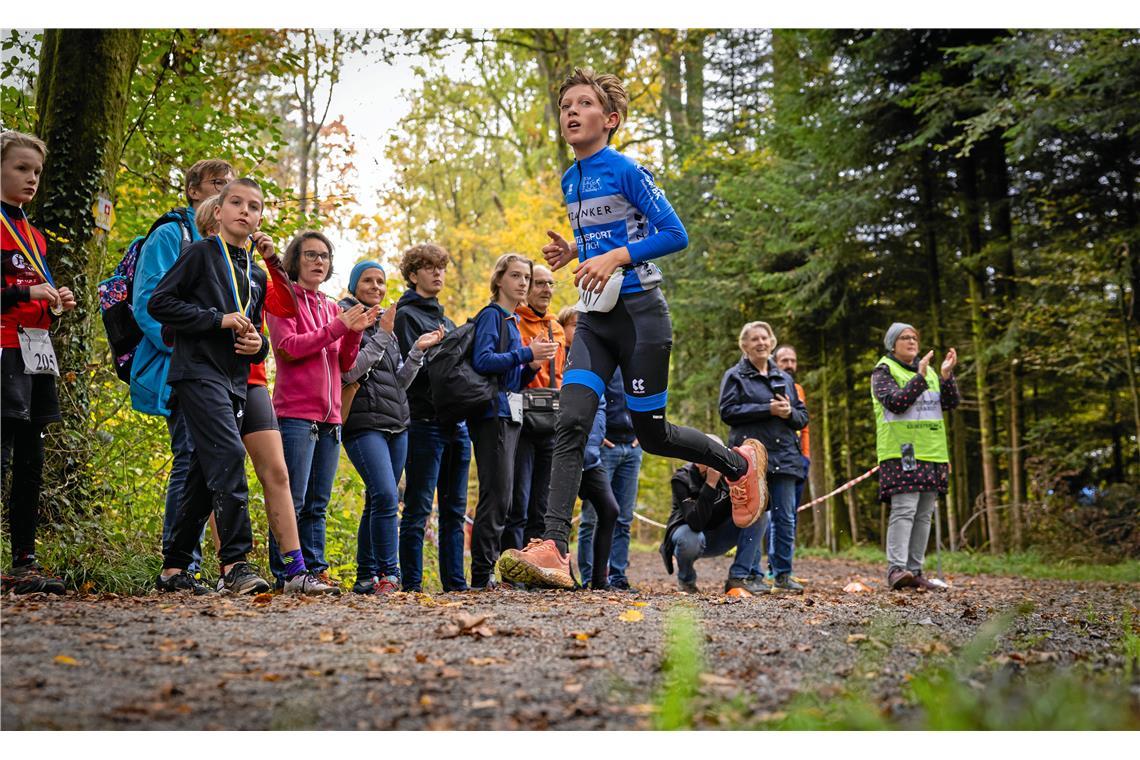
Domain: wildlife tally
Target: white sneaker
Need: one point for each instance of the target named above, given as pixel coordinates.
(308, 583)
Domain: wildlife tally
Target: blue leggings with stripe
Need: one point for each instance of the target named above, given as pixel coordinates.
(636, 335)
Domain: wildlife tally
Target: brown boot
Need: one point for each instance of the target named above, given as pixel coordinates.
(921, 582)
(898, 578)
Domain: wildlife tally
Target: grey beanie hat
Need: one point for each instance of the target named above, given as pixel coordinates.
(893, 333)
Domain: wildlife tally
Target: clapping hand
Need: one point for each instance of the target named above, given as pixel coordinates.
(544, 350)
(359, 317)
(429, 339)
(949, 363)
(924, 363)
(387, 320)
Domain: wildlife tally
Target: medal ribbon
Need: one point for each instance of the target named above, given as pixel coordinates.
(31, 252)
(243, 308)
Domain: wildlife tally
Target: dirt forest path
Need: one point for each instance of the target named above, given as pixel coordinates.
(507, 659)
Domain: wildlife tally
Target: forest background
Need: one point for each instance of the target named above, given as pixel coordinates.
(980, 184)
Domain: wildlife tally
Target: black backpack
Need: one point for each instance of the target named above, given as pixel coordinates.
(457, 390)
(116, 296)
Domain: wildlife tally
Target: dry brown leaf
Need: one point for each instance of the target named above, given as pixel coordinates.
(856, 587)
(484, 704)
(481, 661)
(572, 688)
(857, 638)
(265, 598)
(421, 657)
(272, 677)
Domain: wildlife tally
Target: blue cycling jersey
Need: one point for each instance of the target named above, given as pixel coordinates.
(612, 202)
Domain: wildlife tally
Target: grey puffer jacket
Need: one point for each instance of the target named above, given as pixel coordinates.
(381, 402)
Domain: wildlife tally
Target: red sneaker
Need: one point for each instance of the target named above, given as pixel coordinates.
(539, 564)
(749, 494)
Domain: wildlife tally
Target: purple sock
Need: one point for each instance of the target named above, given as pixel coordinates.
(294, 563)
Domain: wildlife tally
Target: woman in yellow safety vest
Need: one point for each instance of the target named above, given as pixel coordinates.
(909, 398)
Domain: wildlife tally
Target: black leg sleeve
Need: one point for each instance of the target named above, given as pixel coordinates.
(659, 436)
(577, 406)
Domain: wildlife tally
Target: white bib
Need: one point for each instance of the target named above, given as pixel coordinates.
(36, 348)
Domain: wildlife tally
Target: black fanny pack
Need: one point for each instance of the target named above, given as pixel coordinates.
(540, 405)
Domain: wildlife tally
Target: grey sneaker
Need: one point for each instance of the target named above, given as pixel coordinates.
(309, 584)
(365, 586)
(687, 587)
(243, 579)
(752, 584)
(785, 585)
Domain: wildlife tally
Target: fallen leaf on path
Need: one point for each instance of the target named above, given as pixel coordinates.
(711, 679)
(856, 587)
(391, 649)
(484, 704)
(465, 624)
(272, 677)
(481, 661)
(640, 604)
(857, 638)
(572, 688)
(265, 598)
(63, 659)
(584, 635)
(631, 616)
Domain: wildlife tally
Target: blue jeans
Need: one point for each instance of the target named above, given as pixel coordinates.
(438, 460)
(181, 449)
(781, 522)
(623, 465)
(312, 454)
(689, 546)
(379, 458)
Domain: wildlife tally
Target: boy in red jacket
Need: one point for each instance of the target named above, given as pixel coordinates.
(31, 302)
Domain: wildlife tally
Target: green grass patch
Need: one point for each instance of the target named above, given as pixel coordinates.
(1029, 564)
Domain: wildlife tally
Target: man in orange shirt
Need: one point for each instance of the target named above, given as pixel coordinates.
(535, 455)
(786, 361)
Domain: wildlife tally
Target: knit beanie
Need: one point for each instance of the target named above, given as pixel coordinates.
(893, 332)
(358, 270)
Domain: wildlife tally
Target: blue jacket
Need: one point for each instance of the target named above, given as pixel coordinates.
(510, 366)
(745, 405)
(619, 425)
(592, 457)
(149, 392)
(612, 202)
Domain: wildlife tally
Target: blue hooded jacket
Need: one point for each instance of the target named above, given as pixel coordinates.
(149, 392)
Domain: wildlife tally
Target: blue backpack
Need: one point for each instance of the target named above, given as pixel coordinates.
(116, 294)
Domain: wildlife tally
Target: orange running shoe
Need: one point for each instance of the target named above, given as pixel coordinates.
(539, 564)
(749, 494)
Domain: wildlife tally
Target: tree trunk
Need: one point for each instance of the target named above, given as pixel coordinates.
(669, 57)
(84, 83)
(848, 440)
(975, 272)
(997, 192)
(693, 56)
(828, 455)
(816, 476)
(930, 243)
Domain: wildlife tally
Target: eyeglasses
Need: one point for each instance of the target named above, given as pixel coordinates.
(434, 267)
(217, 183)
(908, 337)
(544, 284)
(315, 255)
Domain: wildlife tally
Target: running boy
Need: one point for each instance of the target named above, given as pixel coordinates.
(212, 299)
(621, 221)
(31, 302)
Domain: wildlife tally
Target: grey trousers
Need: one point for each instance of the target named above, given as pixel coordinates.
(909, 529)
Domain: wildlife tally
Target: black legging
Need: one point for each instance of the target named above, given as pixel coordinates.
(656, 435)
(596, 489)
(23, 456)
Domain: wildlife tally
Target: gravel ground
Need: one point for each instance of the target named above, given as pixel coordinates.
(508, 659)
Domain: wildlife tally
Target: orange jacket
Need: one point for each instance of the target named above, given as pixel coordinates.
(531, 326)
(804, 440)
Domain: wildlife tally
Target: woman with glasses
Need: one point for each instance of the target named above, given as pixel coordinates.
(909, 398)
(312, 349)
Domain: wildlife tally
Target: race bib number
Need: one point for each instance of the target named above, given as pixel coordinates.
(515, 402)
(39, 356)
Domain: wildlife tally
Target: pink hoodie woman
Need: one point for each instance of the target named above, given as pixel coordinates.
(311, 351)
